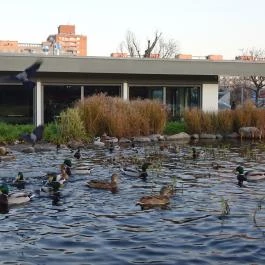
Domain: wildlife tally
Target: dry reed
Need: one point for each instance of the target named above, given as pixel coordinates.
(225, 121)
(116, 117)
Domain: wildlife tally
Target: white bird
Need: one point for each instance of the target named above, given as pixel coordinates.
(97, 142)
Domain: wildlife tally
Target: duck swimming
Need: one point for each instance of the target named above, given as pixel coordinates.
(19, 181)
(250, 176)
(55, 181)
(106, 185)
(134, 172)
(14, 198)
(77, 154)
(97, 142)
(197, 153)
(157, 201)
(68, 165)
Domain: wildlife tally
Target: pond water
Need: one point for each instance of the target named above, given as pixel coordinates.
(99, 227)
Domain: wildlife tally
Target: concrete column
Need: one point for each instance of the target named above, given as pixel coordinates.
(82, 93)
(210, 97)
(164, 95)
(38, 103)
(125, 91)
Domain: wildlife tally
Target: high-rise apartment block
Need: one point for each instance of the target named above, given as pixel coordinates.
(65, 42)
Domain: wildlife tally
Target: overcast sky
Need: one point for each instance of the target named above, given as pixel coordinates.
(201, 27)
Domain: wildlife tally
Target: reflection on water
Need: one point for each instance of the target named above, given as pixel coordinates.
(87, 226)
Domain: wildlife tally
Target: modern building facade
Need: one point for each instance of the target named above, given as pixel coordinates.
(61, 81)
(65, 43)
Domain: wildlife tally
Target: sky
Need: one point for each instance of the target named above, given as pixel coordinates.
(200, 27)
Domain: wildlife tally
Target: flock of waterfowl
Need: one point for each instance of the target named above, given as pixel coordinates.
(55, 181)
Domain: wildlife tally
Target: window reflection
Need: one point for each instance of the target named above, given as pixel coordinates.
(16, 104)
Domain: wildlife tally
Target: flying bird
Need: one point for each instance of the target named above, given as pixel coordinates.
(35, 136)
(25, 76)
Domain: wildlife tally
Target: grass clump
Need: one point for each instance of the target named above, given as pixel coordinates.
(173, 127)
(225, 121)
(70, 126)
(114, 116)
(11, 132)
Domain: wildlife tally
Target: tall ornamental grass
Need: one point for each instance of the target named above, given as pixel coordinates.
(116, 117)
(224, 121)
(70, 126)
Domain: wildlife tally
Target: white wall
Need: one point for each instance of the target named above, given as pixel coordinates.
(210, 97)
(125, 91)
(38, 104)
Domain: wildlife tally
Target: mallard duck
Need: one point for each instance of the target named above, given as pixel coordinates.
(68, 165)
(197, 153)
(250, 176)
(109, 139)
(77, 154)
(6, 154)
(134, 172)
(153, 201)
(113, 147)
(19, 181)
(3, 203)
(97, 142)
(106, 185)
(14, 198)
(55, 181)
(3, 151)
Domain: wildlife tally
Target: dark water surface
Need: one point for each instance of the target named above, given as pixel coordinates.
(98, 227)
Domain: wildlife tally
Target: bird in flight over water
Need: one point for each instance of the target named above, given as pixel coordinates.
(35, 136)
(25, 76)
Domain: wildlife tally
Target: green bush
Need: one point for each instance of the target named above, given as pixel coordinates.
(11, 132)
(70, 126)
(174, 127)
(51, 133)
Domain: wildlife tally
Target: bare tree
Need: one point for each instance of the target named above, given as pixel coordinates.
(165, 49)
(258, 81)
(150, 47)
(239, 88)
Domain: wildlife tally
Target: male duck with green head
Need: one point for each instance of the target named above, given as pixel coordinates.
(3, 198)
(14, 198)
(241, 177)
(19, 181)
(68, 165)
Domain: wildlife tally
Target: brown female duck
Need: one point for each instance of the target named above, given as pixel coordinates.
(157, 201)
(106, 185)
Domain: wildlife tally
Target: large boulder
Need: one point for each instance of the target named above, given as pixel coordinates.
(207, 136)
(178, 136)
(250, 133)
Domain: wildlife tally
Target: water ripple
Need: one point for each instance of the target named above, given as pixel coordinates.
(97, 227)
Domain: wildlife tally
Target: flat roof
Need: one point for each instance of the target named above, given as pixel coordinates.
(134, 66)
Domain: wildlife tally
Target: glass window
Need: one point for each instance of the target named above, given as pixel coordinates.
(109, 90)
(16, 104)
(59, 98)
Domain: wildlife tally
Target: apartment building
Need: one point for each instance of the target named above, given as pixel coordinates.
(64, 42)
